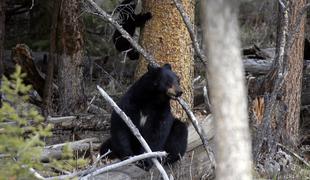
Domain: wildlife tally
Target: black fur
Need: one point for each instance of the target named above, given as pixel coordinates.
(149, 96)
(129, 22)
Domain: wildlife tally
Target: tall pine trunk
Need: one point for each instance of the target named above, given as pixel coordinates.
(166, 38)
(70, 51)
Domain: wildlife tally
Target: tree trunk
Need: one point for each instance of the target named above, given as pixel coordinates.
(227, 90)
(293, 80)
(52, 58)
(167, 39)
(70, 73)
(276, 108)
(2, 32)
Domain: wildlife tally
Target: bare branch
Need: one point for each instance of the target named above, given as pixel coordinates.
(32, 5)
(282, 5)
(190, 29)
(125, 162)
(199, 130)
(133, 129)
(36, 174)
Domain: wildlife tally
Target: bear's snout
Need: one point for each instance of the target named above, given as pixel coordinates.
(174, 92)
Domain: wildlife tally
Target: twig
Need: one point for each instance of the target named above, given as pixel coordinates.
(32, 4)
(90, 103)
(199, 130)
(206, 97)
(93, 167)
(133, 129)
(125, 162)
(294, 154)
(196, 79)
(190, 166)
(36, 174)
(282, 4)
(191, 31)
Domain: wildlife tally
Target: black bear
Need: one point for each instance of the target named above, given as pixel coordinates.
(147, 103)
(129, 21)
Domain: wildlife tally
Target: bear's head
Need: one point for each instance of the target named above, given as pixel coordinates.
(165, 81)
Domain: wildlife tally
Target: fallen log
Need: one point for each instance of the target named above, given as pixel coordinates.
(55, 151)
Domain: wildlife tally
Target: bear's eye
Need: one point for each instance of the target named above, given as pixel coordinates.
(168, 84)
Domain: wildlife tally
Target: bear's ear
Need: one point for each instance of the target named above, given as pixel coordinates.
(151, 68)
(167, 66)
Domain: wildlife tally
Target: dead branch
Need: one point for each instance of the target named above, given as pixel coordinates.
(125, 162)
(54, 120)
(95, 171)
(190, 29)
(199, 130)
(133, 129)
(36, 174)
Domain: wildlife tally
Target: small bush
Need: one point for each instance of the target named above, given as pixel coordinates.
(21, 130)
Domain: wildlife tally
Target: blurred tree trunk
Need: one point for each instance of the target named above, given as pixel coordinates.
(166, 38)
(2, 34)
(227, 90)
(70, 51)
(276, 106)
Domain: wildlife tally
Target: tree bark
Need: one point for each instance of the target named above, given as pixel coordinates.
(293, 80)
(227, 90)
(70, 73)
(167, 39)
(2, 33)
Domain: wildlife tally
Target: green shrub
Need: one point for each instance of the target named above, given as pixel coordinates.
(21, 130)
